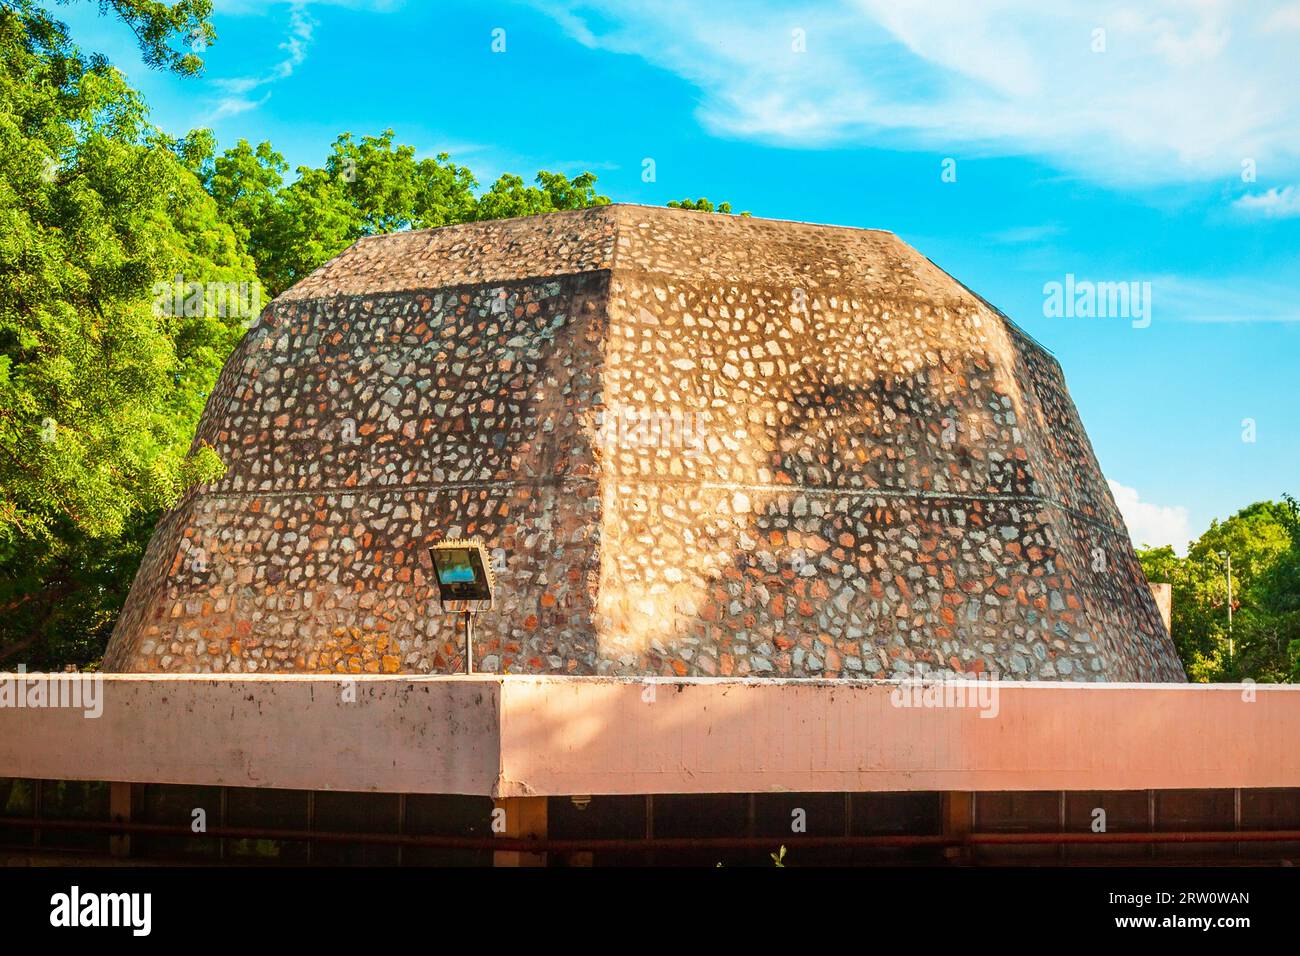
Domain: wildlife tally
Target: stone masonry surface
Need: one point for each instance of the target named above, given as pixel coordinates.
(694, 444)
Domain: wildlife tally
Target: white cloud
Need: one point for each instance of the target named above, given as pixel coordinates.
(1151, 525)
(1274, 203)
(294, 49)
(1028, 235)
(1183, 92)
(1222, 299)
(232, 106)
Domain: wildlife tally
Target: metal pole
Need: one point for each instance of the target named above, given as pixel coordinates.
(1231, 648)
(469, 642)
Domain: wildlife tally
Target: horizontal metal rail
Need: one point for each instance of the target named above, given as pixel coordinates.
(548, 845)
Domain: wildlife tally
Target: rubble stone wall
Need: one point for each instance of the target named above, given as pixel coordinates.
(694, 444)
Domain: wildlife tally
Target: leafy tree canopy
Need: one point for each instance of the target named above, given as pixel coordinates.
(99, 387)
(171, 36)
(100, 384)
(1264, 643)
(366, 187)
(702, 205)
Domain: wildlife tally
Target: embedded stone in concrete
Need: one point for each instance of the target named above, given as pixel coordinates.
(694, 445)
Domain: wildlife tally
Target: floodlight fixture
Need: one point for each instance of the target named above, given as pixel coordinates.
(465, 583)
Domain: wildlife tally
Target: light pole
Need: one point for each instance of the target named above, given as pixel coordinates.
(1228, 557)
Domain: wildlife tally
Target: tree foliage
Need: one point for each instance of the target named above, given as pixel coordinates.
(160, 28)
(1264, 643)
(171, 36)
(702, 205)
(366, 187)
(97, 391)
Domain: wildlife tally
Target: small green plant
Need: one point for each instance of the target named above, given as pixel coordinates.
(778, 858)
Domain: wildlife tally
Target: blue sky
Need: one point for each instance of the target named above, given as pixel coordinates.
(1118, 142)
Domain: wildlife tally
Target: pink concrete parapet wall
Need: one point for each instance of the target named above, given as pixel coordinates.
(694, 445)
(538, 736)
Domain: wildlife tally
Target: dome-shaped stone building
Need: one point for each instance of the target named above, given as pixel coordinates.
(693, 444)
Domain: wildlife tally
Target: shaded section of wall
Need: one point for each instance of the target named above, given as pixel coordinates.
(880, 477)
(367, 734)
(357, 432)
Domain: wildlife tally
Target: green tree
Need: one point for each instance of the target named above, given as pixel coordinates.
(702, 205)
(60, 595)
(100, 384)
(391, 190)
(1280, 596)
(509, 197)
(366, 187)
(1264, 642)
(171, 36)
(245, 183)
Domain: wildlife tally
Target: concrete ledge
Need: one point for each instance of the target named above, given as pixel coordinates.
(538, 736)
(409, 735)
